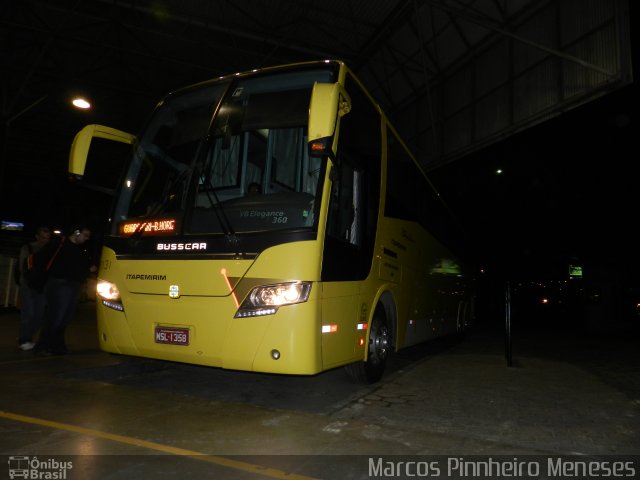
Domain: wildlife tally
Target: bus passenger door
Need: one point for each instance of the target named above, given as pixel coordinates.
(351, 227)
(341, 268)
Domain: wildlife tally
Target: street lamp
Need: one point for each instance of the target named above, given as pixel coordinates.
(81, 103)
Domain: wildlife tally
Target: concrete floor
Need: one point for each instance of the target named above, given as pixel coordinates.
(568, 394)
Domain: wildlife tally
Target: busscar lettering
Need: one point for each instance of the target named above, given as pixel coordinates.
(180, 247)
(143, 276)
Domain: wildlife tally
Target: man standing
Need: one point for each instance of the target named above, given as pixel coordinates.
(32, 301)
(68, 268)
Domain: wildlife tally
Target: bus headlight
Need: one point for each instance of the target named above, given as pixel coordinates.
(266, 299)
(109, 294)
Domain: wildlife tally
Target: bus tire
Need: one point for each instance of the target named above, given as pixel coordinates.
(371, 370)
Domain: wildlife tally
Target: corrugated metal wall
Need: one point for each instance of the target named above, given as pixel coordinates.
(561, 54)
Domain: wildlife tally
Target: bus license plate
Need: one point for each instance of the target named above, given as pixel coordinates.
(172, 336)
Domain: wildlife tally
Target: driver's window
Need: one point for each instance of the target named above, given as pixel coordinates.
(344, 204)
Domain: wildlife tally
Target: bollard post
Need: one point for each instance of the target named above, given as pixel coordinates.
(507, 325)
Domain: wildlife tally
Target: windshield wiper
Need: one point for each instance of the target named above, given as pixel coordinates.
(223, 219)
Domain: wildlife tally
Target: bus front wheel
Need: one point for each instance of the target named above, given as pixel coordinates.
(371, 370)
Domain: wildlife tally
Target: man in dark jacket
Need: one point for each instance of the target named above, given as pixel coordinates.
(68, 268)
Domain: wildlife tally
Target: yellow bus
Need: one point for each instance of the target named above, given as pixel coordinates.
(274, 221)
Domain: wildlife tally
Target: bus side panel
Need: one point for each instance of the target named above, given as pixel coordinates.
(429, 281)
(340, 315)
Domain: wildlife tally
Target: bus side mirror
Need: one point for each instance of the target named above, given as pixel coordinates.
(329, 102)
(82, 142)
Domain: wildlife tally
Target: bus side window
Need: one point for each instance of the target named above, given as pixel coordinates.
(342, 222)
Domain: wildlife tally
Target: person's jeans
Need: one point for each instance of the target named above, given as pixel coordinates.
(62, 299)
(32, 305)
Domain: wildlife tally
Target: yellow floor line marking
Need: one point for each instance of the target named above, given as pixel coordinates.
(222, 461)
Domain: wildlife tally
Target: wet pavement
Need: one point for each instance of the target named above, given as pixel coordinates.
(575, 394)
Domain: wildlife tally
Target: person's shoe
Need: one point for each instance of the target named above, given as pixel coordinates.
(27, 346)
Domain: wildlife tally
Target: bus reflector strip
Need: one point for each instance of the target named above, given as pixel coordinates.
(362, 326)
(329, 328)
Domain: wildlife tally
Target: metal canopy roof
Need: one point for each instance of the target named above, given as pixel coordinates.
(492, 67)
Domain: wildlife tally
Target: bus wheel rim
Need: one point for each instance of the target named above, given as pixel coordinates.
(379, 344)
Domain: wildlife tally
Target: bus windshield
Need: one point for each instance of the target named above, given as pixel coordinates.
(226, 157)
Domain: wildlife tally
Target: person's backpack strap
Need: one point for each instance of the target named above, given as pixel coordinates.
(55, 254)
(29, 259)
